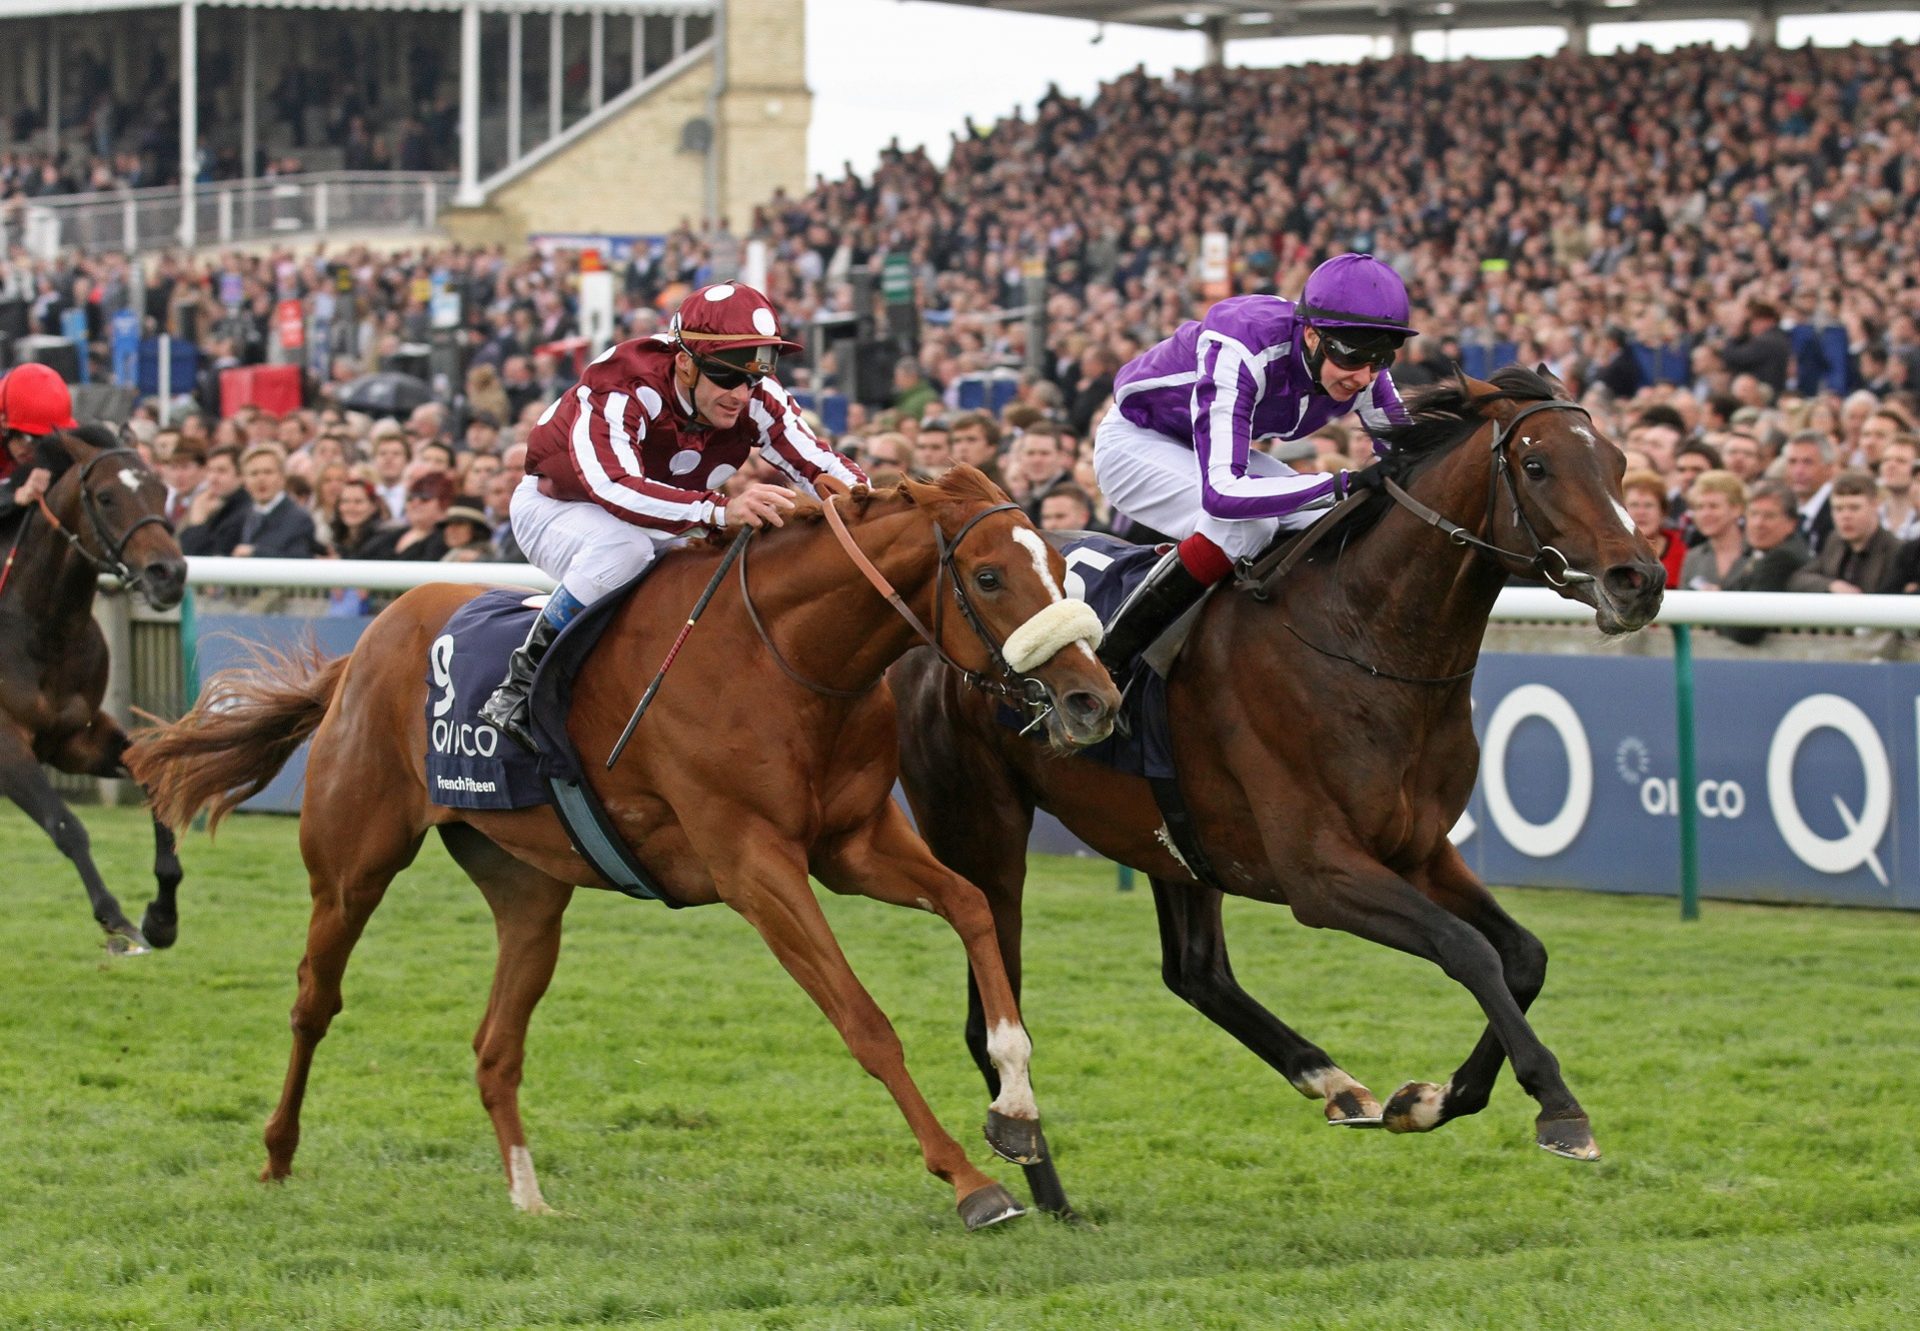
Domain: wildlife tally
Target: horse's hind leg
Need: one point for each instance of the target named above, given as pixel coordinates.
(1523, 960)
(352, 854)
(23, 782)
(766, 882)
(1194, 963)
(100, 751)
(527, 907)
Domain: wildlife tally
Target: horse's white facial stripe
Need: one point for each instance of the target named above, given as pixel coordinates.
(130, 478)
(1037, 547)
(1626, 518)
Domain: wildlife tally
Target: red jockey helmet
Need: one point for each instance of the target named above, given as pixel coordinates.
(34, 400)
(734, 319)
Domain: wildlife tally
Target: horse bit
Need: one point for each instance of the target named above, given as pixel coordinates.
(1023, 691)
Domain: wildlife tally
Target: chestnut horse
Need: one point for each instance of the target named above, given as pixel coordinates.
(105, 514)
(764, 758)
(1325, 746)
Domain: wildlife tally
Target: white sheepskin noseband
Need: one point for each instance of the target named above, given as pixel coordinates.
(1061, 624)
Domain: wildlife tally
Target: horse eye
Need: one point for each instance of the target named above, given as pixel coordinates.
(987, 579)
(1534, 468)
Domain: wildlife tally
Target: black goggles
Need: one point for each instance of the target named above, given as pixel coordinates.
(726, 376)
(1372, 354)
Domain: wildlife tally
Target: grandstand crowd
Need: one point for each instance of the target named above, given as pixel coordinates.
(1729, 285)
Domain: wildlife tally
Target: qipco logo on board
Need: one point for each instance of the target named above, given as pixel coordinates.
(1859, 845)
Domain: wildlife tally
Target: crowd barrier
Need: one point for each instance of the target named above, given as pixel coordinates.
(1805, 785)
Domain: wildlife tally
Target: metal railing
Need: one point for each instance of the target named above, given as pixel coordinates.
(269, 208)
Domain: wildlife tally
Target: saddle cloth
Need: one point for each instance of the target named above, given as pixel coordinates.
(471, 765)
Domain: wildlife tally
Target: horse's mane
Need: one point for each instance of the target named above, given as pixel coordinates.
(95, 435)
(961, 484)
(1441, 417)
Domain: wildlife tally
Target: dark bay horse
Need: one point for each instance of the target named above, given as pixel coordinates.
(105, 514)
(1325, 747)
(765, 758)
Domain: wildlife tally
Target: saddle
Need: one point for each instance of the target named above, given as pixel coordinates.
(471, 765)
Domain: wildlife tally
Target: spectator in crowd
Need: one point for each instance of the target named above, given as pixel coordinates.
(1882, 426)
(215, 513)
(1716, 502)
(976, 442)
(1646, 500)
(429, 496)
(912, 394)
(1777, 554)
(468, 537)
(1740, 453)
(185, 473)
(1859, 557)
(1692, 461)
(933, 449)
(1807, 466)
(391, 455)
(1615, 367)
(1039, 464)
(358, 520)
(272, 524)
(1066, 507)
(1899, 513)
(1760, 348)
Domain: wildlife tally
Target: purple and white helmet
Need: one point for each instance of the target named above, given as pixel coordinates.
(1356, 291)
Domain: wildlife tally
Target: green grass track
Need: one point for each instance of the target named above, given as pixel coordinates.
(1753, 1079)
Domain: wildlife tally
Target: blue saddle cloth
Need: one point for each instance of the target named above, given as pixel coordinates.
(470, 764)
(1101, 570)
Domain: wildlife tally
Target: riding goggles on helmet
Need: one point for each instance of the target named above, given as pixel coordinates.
(727, 370)
(1349, 352)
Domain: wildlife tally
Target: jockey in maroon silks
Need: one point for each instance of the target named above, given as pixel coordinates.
(632, 459)
(1176, 452)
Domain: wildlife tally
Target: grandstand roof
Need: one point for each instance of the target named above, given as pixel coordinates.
(48, 8)
(1238, 19)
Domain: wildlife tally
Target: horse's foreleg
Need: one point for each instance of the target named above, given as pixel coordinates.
(1448, 882)
(1364, 898)
(766, 882)
(1194, 964)
(100, 751)
(23, 782)
(527, 909)
(885, 860)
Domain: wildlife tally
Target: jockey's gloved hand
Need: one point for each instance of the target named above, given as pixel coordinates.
(1367, 478)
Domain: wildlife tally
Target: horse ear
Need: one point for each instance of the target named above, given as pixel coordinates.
(1559, 389)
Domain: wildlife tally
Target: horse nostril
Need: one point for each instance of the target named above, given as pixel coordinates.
(1085, 706)
(1625, 580)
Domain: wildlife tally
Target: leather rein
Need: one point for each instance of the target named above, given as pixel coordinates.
(114, 560)
(1021, 690)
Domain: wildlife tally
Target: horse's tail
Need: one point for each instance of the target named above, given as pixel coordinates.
(248, 722)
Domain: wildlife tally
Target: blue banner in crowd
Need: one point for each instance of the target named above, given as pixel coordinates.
(123, 332)
(1808, 781)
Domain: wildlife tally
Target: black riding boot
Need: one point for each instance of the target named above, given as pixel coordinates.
(1163, 596)
(510, 709)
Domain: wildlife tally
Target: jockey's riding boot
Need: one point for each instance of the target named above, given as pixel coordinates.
(510, 709)
(1168, 590)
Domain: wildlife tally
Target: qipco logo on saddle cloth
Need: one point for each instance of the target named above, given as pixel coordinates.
(451, 736)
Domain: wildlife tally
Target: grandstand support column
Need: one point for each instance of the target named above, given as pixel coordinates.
(1765, 25)
(1579, 30)
(716, 131)
(516, 58)
(469, 195)
(1216, 33)
(1402, 34)
(763, 104)
(249, 117)
(53, 87)
(554, 61)
(189, 119)
(596, 59)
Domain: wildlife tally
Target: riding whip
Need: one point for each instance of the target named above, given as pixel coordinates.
(699, 607)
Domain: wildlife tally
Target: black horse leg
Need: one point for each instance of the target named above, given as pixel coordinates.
(22, 781)
(161, 923)
(1194, 963)
(1370, 901)
(1523, 960)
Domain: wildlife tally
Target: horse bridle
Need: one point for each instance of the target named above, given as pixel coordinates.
(1021, 690)
(1541, 562)
(114, 559)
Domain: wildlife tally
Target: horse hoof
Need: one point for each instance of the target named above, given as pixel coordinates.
(1354, 1107)
(275, 1173)
(1415, 1107)
(127, 944)
(989, 1206)
(160, 931)
(1568, 1137)
(1016, 1140)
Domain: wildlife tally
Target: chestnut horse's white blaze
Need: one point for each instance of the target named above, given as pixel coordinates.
(1011, 1050)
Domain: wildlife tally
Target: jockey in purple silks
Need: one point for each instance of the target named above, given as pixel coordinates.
(1176, 452)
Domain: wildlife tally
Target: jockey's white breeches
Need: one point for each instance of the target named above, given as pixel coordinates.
(1156, 481)
(579, 544)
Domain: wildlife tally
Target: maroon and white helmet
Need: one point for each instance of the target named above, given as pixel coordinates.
(732, 323)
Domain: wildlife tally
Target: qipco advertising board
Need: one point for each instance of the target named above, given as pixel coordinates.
(1806, 786)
